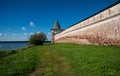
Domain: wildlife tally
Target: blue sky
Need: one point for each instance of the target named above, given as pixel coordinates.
(21, 18)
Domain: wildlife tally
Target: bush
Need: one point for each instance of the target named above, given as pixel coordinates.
(37, 38)
(7, 53)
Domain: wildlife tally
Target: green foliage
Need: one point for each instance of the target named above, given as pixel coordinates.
(7, 53)
(37, 38)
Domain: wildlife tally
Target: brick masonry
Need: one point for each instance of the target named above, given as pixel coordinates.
(100, 29)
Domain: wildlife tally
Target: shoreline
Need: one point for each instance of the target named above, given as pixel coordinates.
(12, 41)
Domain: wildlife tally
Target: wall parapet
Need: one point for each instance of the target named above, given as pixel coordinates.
(108, 18)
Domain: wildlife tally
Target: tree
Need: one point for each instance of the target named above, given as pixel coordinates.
(37, 38)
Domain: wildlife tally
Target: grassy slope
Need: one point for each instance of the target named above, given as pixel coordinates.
(53, 64)
(91, 60)
(22, 63)
(63, 60)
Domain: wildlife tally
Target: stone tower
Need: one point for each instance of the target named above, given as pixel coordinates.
(55, 30)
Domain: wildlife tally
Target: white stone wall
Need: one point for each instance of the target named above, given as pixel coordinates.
(103, 28)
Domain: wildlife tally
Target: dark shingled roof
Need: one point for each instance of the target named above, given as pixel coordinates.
(56, 25)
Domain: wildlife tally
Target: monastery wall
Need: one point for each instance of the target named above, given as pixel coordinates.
(100, 29)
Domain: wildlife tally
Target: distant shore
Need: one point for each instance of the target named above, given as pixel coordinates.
(12, 41)
(18, 41)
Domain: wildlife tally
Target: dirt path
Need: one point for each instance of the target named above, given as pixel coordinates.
(53, 65)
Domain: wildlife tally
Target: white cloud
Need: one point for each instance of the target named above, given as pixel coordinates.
(38, 32)
(23, 28)
(32, 24)
(14, 34)
(31, 33)
(5, 34)
(1, 34)
(49, 33)
(25, 34)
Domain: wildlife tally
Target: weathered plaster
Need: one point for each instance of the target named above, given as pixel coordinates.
(101, 29)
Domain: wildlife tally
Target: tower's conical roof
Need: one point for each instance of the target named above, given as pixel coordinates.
(56, 25)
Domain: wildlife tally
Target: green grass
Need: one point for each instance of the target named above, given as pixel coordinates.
(21, 63)
(63, 59)
(91, 60)
(7, 53)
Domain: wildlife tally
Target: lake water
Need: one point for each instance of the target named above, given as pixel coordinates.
(12, 45)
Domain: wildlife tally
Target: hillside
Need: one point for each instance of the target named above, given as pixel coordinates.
(63, 59)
